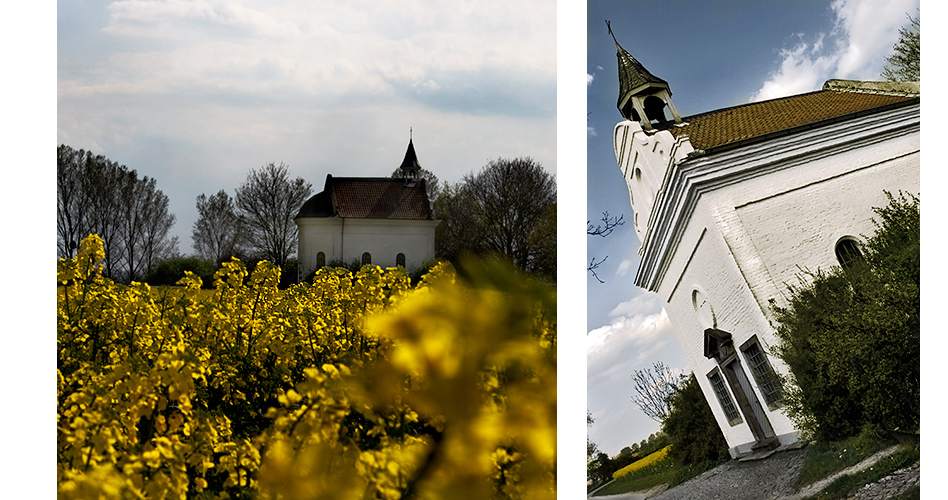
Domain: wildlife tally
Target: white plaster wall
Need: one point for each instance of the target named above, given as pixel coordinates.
(643, 160)
(347, 239)
(745, 241)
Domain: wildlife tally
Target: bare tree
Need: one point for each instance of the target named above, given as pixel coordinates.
(218, 232)
(511, 198)
(653, 390)
(605, 229)
(268, 201)
(905, 64)
(96, 195)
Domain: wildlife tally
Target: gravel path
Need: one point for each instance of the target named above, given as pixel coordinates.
(771, 479)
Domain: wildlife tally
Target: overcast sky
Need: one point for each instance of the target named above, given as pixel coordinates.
(713, 55)
(196, 93)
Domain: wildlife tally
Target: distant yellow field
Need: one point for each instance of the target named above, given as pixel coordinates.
(656, 457)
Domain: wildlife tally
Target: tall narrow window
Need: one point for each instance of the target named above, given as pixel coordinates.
(763, 373)
(847, 252)
(724, 397)
(400, 260)
(320, 260)
(366, 258)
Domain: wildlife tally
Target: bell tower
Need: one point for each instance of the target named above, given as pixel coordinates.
(642, 95)
(644, 147)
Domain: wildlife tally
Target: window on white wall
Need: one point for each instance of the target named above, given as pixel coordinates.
(320, 260)
(724, 397)
(366, 258)
(400, 260)
(763, 373)
(848, 252)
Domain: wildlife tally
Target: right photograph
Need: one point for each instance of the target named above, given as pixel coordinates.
(753, 242)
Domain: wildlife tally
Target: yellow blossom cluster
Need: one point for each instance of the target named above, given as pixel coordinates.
(653, 458)
(356, 385)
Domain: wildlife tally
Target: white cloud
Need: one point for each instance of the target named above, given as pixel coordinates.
(624, 267)
(589, 79)
(590, 131)
(862, 37)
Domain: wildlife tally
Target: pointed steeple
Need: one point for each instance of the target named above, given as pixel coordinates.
(410, 166)
(642, 95)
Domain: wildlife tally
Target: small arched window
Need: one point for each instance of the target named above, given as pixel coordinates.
(400, 260)
(320, 260)
(848, 252)
(366, 258)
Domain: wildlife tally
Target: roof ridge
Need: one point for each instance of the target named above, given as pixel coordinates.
(874, 87)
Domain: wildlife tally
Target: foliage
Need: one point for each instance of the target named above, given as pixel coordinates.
(691, 427)
(169, 272)
(653, 458)
(353, 386)
(508, 209)
(851, 337)
(653, 391)
(218, 234)
(905, 64)
(660, 470)
(95, 194)
(267, 201)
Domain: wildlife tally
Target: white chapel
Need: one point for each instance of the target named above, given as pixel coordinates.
(373, 220)
(731, 204)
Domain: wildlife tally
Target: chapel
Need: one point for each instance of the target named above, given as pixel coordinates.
(385, 221)
(730, 205)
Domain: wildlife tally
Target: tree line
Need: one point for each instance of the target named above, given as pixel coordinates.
(505, 210)
(97, 195)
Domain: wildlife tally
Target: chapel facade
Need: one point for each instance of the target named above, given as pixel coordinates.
(730, 206)
(372, 220)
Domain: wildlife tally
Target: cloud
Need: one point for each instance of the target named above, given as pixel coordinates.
(590, 131)
(589, 79)
(639, 329)
(862, 36)
(624, 268)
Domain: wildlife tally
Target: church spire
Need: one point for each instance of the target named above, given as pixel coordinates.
(410, 166)
(642, 95)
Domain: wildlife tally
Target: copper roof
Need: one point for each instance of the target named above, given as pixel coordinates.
(837, 100)
(369, 198)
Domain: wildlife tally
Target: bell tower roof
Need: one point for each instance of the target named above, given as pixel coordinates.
(410, 164)
(642, 95)
(634, 79)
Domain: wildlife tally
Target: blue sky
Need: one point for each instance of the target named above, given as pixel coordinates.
(713, 55)
(196, 93)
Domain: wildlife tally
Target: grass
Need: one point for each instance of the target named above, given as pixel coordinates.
(651, 471)
(825, 459)
(845, 486)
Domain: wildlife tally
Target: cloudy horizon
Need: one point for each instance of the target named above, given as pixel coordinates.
(197, 93)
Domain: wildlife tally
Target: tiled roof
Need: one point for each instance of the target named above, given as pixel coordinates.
(369, 197)
(837, 99)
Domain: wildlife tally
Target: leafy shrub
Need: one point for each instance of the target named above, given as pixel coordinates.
(168, 272)
(690, 426)
(851, 337)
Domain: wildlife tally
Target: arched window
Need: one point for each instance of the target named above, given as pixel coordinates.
(400, 260)
(366, 258)
(320, 260)
(848, 252)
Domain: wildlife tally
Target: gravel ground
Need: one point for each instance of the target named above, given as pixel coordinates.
(770, 479)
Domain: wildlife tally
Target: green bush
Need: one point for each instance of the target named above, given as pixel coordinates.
(168, 272)
(851, 337)
(690, 426)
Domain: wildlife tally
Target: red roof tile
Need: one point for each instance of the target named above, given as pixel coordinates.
(371, 198)
(731, 125)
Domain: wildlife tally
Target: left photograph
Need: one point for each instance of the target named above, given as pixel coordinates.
(306, 250)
